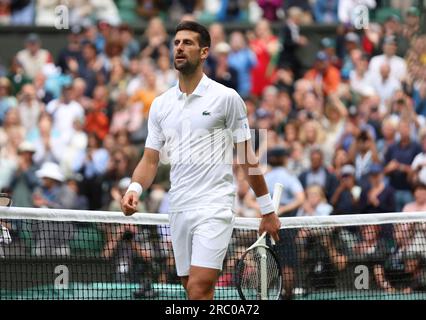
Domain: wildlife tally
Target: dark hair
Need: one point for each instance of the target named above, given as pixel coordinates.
(364, 136)
(419, 185)
(204, 35)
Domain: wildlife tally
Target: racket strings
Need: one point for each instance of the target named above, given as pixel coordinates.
(250, 274)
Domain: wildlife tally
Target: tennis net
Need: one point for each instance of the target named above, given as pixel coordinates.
(68, 254)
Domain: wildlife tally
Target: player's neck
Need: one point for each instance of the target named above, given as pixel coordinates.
(188, 82)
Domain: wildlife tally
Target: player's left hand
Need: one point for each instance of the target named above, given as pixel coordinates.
(271, 224)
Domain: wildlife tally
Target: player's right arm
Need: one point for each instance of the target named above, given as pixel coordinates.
(144, 175)
(145, 171)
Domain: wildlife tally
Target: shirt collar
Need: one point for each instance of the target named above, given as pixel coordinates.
(200, 90)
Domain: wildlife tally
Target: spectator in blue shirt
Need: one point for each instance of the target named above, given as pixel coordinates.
(419, 98)
(398, 159)
(325, 11)
(242, 59)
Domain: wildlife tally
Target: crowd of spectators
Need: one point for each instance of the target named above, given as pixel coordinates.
(46, 12)
(345, 136)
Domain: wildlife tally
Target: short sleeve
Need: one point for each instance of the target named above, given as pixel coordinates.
(236, 119)
(295, 185)
(417, 161)
(155, 139)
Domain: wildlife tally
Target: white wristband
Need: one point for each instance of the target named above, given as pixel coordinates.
(265, 203)
(136, 187)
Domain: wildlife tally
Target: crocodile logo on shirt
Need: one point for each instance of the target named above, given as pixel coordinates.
(206, 113)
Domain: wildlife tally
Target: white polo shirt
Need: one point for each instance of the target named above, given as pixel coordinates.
(198, 132)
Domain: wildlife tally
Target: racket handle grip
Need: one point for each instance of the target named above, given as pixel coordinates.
(276, 199)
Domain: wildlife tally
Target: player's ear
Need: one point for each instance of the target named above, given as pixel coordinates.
(205, 53)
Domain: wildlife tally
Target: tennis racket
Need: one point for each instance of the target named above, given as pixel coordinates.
(259, 275)
(5, 201)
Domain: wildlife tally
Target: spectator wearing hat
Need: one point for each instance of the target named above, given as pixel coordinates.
(24, 180)
(33, 57)
(291, 200)
(52, 192)
(52, 238)
(242, 59)
(398, 160)
(223, 72)
(377, 197)
(398, 66)
(345, 199)
(318, 174)
(324, 75)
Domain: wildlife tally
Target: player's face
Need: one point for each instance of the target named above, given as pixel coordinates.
(188, 55)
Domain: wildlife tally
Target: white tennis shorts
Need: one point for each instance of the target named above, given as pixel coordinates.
(200, 238)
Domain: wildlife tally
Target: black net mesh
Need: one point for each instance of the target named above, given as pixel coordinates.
(97, 260)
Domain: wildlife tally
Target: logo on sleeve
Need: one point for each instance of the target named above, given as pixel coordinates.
(206, 113)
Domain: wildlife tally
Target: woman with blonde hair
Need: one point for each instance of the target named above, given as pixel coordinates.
(311, 135)
(155, 42)
(316, 203)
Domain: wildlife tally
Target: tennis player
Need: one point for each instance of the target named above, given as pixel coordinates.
(199, 122)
